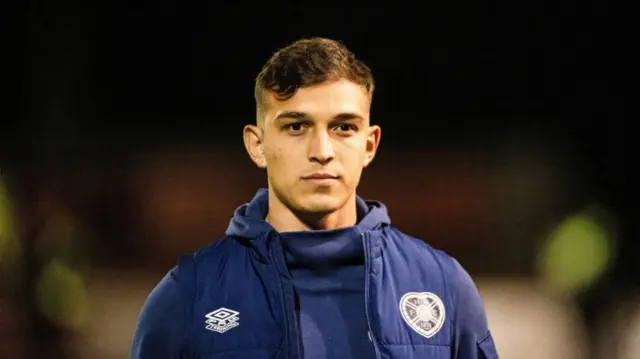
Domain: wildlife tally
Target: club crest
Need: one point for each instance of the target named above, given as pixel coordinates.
(423, 312)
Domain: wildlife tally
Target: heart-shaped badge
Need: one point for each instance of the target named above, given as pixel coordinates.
(423, 312)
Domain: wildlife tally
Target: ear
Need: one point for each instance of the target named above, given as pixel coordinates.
(253, 136)
(373, 140)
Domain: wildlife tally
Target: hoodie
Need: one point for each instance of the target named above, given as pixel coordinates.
(327, 267)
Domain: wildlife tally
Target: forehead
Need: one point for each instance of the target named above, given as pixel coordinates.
(324, 100)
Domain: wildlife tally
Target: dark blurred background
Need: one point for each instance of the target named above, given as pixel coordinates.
(503, 144)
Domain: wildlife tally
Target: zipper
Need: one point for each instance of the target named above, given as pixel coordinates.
(282, 300)
(366, 294)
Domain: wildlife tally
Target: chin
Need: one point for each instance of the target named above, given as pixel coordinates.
(320, 203)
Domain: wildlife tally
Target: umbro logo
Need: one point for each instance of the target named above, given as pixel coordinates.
(222, 319)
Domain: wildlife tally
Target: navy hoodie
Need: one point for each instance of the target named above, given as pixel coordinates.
(329, 279)
(260, 294)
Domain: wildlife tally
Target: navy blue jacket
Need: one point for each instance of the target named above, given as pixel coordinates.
(235, 299)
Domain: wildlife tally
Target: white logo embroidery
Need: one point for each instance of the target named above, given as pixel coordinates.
(423, 312)
(222, 319)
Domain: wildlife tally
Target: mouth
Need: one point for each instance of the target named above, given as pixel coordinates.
(321, 179)
(320, 175)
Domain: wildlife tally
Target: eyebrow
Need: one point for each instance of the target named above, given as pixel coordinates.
(292, 115)
(345, 116)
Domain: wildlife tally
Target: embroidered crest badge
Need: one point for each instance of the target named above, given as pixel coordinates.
(423, 312)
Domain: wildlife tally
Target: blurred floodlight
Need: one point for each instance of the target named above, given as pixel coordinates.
(577, 251)
(61, 295)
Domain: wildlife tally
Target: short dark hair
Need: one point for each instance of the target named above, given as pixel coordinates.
(308, 62)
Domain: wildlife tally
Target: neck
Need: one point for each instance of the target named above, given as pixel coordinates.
(284, 219)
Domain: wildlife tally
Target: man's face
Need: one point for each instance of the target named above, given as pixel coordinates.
(316, 144)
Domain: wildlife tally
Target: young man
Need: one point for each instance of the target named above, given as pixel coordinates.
(308, 269)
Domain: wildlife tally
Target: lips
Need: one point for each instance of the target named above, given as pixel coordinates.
(320, 176)
(321, 179)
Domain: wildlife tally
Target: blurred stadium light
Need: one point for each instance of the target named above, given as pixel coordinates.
(578, 251)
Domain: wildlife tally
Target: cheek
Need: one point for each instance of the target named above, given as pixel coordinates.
(353, 163)
(279, 164)
(272, 156)
(353, 155)
(273, 159)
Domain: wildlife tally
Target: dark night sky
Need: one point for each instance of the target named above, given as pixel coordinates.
(127, 72)
(437, 68)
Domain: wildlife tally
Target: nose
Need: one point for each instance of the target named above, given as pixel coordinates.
(321, 148)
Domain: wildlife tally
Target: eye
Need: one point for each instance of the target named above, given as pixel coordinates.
(295, 127)
(346, 127)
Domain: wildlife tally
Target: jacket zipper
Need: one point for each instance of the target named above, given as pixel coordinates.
(282, 300)
(367, 257)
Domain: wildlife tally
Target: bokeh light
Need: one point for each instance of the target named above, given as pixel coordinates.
(577, 251)
(61, 295)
